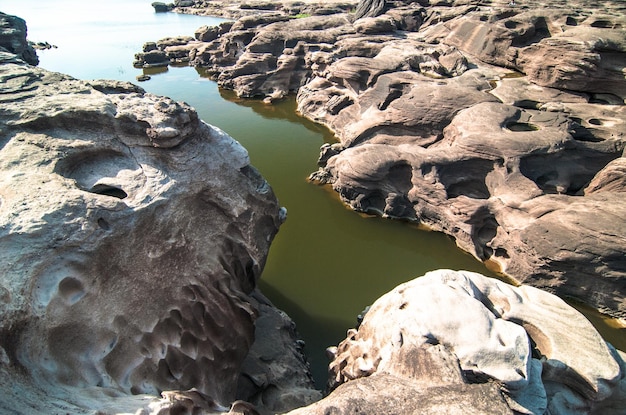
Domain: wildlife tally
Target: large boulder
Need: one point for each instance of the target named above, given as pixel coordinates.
(471, 344)
(132, 235)
(577, 48)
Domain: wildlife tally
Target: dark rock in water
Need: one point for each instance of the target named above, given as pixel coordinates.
(160, 7)
(151, 58)
(170, 50)
(13, 38)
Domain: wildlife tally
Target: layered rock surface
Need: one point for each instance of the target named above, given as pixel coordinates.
(502, 126)
(132, 235)
(234, 9)
(461, 343)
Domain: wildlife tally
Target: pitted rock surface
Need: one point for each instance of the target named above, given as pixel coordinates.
(497, 124)
(501, 125)
(132, 235)
(471, 344)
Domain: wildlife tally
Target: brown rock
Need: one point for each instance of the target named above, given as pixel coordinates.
(424, 137)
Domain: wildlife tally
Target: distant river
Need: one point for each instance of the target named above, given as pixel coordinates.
(327, 263)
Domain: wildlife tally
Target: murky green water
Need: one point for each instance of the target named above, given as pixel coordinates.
(327, 262)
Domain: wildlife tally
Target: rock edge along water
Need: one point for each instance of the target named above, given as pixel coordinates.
(461, 343)
(132, 236)
(459, 115)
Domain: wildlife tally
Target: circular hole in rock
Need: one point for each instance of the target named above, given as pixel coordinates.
(605, 99)
(521, 126)
(107, 190)
(71, 289)
(570, 21)
(595, 121)
(501, 252)
(509, 24)
(528, 104)
(103, 224)
(602, 24)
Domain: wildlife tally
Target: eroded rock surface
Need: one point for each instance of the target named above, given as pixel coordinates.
(132, 235)
(502, 126)
(471, 344)
(234, 9)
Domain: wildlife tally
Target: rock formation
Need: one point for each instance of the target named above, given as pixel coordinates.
(234, 9)
(502, 126)
(13, 38)
(461, 343)
(132, 235)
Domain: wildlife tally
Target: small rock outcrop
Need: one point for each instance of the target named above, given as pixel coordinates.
(461, 343)
(500, 125)
(13, 38)
(132, 235)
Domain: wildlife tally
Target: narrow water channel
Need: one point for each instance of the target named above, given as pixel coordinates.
(327, 262)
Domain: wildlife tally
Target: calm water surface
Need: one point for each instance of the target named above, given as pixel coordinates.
(327, 263)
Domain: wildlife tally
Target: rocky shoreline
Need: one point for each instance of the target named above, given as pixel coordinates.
(235, 9)
(133, 234)
(501, 126)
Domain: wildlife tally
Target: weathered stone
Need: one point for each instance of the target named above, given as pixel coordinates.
(487, 122)
(151, 58)
(206, 33)
(386, 394)
(132, 235)
(371, 25)
(460, 342)
(369, 8)
(612, 178)
(13, 38)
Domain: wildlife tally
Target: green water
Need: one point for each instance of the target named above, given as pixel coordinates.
(327, 263)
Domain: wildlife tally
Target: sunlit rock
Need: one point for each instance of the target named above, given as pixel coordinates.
(470, 344)
(500, 125)
(132, 235)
